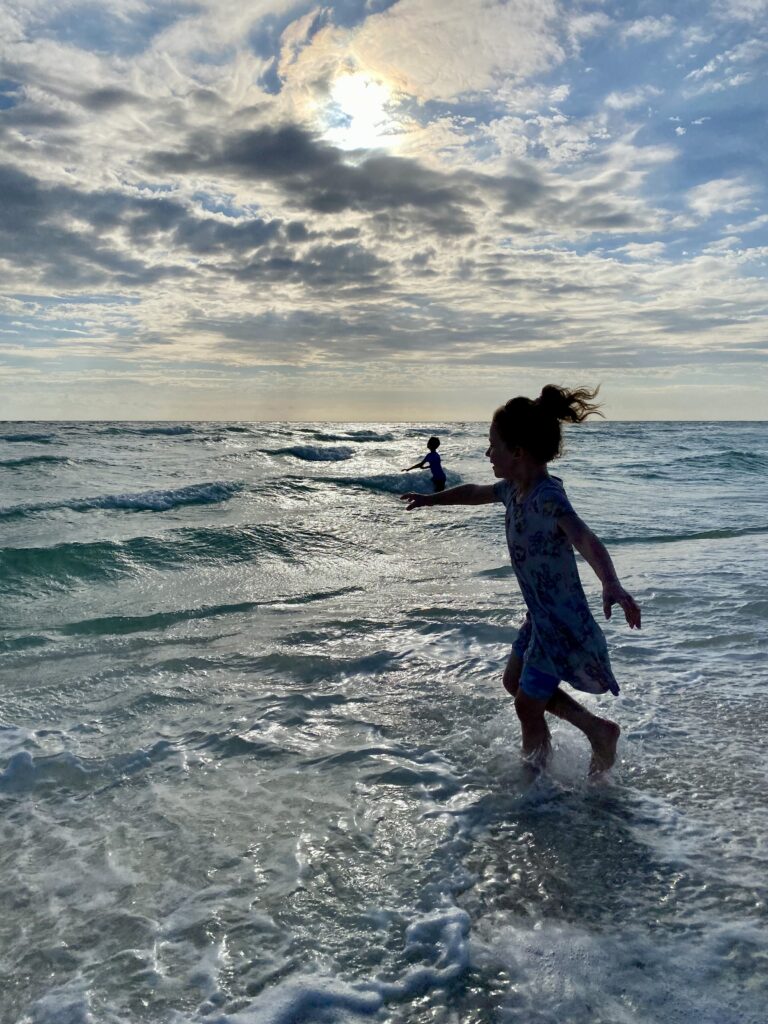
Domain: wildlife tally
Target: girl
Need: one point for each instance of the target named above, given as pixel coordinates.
(559, 639)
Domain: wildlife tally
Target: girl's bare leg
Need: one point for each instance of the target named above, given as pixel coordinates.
(536, 738)
(602, 733)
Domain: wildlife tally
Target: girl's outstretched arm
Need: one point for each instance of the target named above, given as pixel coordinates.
(416, 465)
(464, 494)
(596, 553)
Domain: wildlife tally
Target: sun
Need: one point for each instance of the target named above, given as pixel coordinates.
(359, 114)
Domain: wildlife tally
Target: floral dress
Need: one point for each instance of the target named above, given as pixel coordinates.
(559, 634)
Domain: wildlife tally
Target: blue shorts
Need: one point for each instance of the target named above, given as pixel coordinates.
(533, 682)
(537, 684)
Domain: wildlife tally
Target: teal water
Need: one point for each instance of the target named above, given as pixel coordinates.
(256, 764)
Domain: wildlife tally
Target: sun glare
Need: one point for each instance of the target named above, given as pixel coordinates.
(358, 114)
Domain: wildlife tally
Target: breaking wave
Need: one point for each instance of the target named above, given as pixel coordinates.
(353, 435)
(66, 565)
(393, 483)
(36, 438)
(313, 453)
(170, 430)
(32, 460)
(145, 501)
(733, 460)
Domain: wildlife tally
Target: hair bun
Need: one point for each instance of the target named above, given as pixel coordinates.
(554, 401)
(562, 404)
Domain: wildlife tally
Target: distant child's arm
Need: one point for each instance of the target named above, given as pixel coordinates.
(596, 554)
(417, 465)
(464, 494)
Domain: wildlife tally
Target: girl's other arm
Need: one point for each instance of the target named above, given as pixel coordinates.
(596, 554)
(464, 494)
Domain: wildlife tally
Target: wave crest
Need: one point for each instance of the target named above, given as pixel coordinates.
(32, 460)
(314, 453)
(144, 501)
(36, 438)
(732, 459)
(393, 483)
(63, 566)
(353, 435)
(673, 538)
(171, 430)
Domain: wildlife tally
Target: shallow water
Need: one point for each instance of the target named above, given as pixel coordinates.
(256, 764)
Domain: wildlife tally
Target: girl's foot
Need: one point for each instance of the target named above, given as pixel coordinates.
(537, 758)
(603, 738)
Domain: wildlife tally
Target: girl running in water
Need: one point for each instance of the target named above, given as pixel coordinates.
(559, 639)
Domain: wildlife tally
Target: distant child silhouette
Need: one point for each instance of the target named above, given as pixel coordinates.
(432, 459)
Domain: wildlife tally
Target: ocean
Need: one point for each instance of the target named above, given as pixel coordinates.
(257, 765)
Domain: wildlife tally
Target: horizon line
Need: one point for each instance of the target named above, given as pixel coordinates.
(434, 419)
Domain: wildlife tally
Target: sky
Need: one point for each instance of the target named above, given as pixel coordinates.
(381, 209)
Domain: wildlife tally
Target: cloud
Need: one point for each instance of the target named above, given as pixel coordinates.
(696, 35)
(644, 250)
(75, 239)
(467, 46)
(399, 194)
(741, 10)
(321, 267)
(721, 195)
(722, 71)
(317, 176)
(37, 234)
(587, 25)
(123, 28)
(647, 30)
(632, 98)
(108, 98)
(725, 244)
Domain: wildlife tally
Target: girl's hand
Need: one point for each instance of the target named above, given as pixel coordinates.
(614, 593)
(416, 500)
